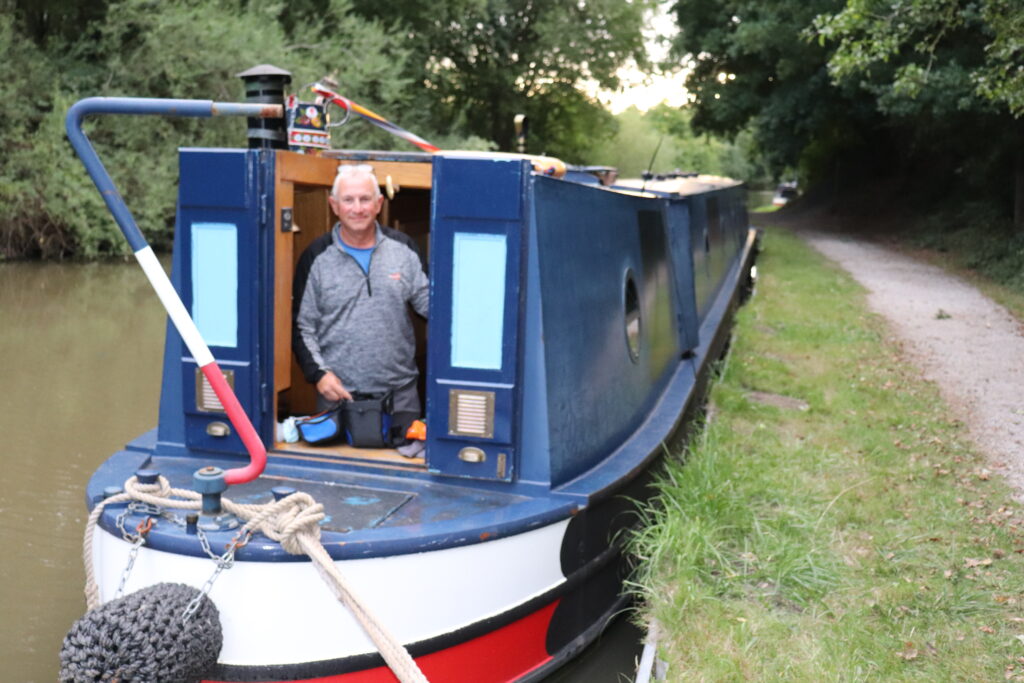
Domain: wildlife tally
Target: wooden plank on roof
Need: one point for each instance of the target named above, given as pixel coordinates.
(417, 174)
(310, 170)
(305, 169)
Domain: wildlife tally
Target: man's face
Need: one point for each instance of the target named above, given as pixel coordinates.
(356, 204)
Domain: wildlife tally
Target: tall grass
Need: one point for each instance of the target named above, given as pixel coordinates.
(839, 527)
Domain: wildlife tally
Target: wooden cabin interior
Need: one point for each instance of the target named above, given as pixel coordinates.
(303, 184)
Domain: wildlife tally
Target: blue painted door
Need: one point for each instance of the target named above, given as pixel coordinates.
(475, 264)
(220, 220)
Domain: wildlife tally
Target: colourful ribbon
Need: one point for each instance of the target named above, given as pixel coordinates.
(373, 118)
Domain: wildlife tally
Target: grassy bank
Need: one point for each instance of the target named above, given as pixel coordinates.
(830, 523)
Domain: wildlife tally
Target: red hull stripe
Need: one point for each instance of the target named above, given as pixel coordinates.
(503, 655)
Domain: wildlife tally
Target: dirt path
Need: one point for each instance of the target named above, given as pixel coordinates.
(971, 347)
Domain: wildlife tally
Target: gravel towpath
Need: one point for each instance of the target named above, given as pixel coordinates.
(971, 347)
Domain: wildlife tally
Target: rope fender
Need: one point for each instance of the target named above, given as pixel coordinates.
(294, 522)
(142, 637)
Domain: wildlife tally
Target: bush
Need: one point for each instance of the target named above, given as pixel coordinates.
(979, 237)
(186, 49)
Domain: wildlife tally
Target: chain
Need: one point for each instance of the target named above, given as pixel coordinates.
(225, 561)
(132, 554)
(137, 508)
(205, 543)
(137, 540)
(173, 518)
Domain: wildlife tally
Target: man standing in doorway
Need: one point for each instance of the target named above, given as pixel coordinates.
(350, 297)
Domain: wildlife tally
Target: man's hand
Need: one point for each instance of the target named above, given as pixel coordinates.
(331, 388)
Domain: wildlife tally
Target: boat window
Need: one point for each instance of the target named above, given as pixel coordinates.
(632, 301)
(478, 300)
(215, 282)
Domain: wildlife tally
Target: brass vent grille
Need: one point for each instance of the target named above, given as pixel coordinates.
(206, 399)
(471, 413)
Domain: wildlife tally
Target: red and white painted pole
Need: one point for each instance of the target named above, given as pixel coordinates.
(172, 303)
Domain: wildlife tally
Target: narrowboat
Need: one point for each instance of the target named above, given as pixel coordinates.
(574, 320)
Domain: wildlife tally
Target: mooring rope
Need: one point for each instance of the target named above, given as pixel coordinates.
(294, 522)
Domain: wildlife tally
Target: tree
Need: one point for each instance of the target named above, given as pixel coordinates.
(750, 68)
(1002, 78)
(661, 140)
(24, 225)
(180, 49)
(949, 71)
(481, 62)
(928, 53)
(704, 153)
(922, 93)
(632, 148)
(44, 20)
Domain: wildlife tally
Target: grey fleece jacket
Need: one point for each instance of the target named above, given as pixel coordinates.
(357, 324)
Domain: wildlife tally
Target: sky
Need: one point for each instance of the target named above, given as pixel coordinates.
(647, 91)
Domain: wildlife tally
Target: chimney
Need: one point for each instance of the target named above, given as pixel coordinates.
(264, 84)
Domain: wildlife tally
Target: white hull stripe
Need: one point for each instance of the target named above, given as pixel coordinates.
(417, 596)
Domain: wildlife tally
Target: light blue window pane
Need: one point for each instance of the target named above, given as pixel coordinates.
(478, 300)
(215, 282)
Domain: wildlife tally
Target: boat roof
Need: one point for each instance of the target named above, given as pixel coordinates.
(675, 183)
(683, 184)
(549, 166)
(376, 155)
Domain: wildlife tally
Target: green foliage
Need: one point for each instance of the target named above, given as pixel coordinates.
(750, 70)
(454, 72)
(973, 236)
(667, 130)
(633, 144)
(481, 62)
(45, 20)
(862, 91)
(26, 120)
(947, 76)
(935, 56)
(184, 49)
(1002, 79)
(707, 153)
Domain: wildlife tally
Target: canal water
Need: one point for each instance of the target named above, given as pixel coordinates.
(80, 353)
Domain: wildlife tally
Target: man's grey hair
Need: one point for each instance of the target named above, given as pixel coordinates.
(355, 171)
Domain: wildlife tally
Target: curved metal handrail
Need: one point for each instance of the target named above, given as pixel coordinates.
(172, 303)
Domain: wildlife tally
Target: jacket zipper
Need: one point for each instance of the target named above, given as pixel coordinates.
(369, 266)
(366, 275)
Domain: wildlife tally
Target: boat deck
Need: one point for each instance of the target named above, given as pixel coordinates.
(377, 457)
(370, 511)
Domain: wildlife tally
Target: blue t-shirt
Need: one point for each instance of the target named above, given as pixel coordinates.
(362, 256)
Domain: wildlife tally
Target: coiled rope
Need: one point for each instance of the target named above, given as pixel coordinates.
(294, 522)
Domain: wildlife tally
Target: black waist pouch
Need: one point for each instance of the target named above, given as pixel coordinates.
(367, 420)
